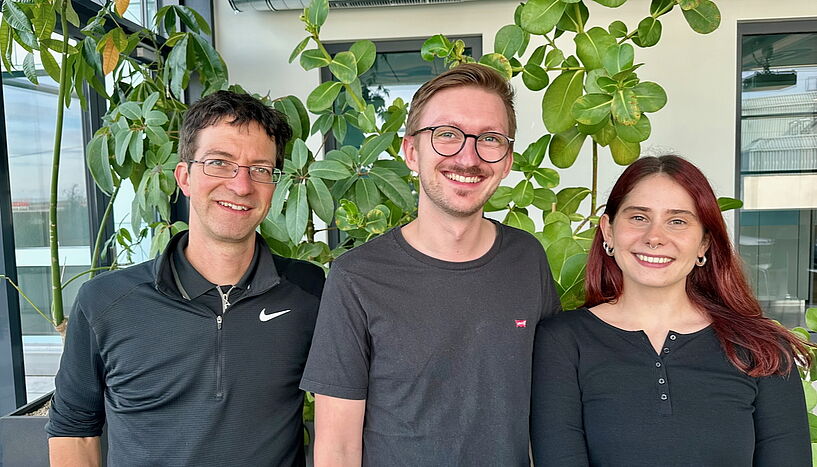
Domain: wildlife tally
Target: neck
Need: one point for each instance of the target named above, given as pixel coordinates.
(657, 307)
(219, 262)
(448, 238)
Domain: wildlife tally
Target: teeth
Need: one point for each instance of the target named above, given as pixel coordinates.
(233, 206)
(461, 179)
(653, 259)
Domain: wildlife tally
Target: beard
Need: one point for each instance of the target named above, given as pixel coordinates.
(435, 192)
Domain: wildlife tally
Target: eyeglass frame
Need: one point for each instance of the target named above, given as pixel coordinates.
(276, 172)
(465, 140)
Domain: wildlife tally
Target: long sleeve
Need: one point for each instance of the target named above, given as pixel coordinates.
(781, 423)
(557, 429)
(78, 407)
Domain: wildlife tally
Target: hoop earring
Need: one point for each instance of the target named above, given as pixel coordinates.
(608, 249)
(700, 261)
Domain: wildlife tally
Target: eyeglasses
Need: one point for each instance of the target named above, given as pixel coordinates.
(226, 169)
(448, 140)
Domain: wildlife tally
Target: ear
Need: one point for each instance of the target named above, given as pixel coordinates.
(411, 153)
(704, 245)
(606, 229)
(182, 175)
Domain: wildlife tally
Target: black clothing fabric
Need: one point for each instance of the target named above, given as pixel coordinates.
(179, 384)
(441, 351)
(603, 397)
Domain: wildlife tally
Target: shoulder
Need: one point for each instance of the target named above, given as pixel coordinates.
(109, 287)
(308, 276)
(514, 236)
(378, 249)
(570, 322)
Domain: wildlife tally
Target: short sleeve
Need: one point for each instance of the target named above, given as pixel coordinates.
(338, 363)
(781, 424)
(78, 406)
(557, 427)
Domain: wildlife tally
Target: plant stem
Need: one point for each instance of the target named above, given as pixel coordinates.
(25, 297)
(310, 231)
(100, 233)
(595, 182)
(53, 238)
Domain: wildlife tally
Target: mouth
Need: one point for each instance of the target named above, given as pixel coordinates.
(233, 206)
(653, 260)
(470, 179)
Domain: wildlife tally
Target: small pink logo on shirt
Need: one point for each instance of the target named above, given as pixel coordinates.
(521, 323)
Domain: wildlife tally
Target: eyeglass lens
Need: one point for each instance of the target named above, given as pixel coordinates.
(448, 140)
(226, 169)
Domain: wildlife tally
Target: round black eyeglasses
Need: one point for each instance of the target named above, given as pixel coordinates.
(449, 140)
(227, 169)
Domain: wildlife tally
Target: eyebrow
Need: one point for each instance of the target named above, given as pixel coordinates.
(674, 212)
(227, 155)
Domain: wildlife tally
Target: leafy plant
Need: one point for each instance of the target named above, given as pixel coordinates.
(809, 376)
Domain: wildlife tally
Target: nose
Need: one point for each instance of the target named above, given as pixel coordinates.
(468, 154)
(241, 184)
(654, 236)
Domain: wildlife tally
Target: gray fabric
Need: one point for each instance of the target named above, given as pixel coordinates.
(441, 351)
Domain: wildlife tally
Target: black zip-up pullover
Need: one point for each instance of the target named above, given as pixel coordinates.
(181, 385)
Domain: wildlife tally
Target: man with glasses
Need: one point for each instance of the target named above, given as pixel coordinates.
(194, 358)
(422, 351)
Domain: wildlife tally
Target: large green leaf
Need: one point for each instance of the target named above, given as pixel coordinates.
(634, 133)
(499, 200)
(624, 152)
(509, 40)
(313, 58)
(546, 177)
(29, 68)
(591, 109)
(541, 16)
(137, 145)
(618, 58)
(99, 163)
(574, 18)
(727, 204)
(554, 58)
(320, 199)
(617, 29)
(394, 187)
(499, 63)
(519, 219)
(649, 32)
(297, 212)
(50, 64)
(650, 96)
(435, 46)
(625, 107)
(15, 16)
(365, 53)
(279, 196)
(372, 148)
(565, 147)
(322, 97)
(592, 45)
(611, 3)
(367, 195)
(329, 170)
(275, 227)
(544, 199)
(522, 193)
(318, 11)
(559, 252)
(534, 77)
(344, 67)
(298, 49)
(569, 199)
(558, 101)
(704, 18)
(300, 153)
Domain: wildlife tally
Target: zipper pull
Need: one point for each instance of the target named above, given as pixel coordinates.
(218, 321)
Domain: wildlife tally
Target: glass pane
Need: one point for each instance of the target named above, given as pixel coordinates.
(779, 170)
(30, 116)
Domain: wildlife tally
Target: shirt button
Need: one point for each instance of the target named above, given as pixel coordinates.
(658, 364)
(664, 397)
(660, 380)
(666, 349)
(672, 337)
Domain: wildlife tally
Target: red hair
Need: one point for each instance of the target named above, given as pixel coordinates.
(753, 343)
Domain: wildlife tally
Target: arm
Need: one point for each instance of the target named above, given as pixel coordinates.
(781, 423)
(557, 427)
(70, 452)
(338, 431)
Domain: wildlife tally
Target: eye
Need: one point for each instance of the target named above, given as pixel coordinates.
(678, 222)
(217, 163)
(262, 170)
(446, 134)
(638, 218)
(489, 138)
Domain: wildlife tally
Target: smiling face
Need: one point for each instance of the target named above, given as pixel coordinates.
(228, 210)
(656, 234)
(458, 185)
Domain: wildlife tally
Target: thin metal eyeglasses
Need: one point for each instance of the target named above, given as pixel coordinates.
(226, 169)
(447, 140)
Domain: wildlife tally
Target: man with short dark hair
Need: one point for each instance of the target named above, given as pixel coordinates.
(423, 347)
(194, 358)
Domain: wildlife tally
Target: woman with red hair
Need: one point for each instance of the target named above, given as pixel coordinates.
(670, 361)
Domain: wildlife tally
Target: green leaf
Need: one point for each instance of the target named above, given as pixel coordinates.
(344, 67)
(519, 219)
(297, 212)
(508, 40)
(811, 395)
(592, 45)
(618, 58)
(574, 18)
(365, 53)
(541, 16)
(435, 46)
(158, 136)
(558, 101)
(366, 120)
(704, 18)
(313, 58)
(15, 17)
(275, 227)
(323, 124)
(279, 196)
(499, 63)
(611, 3)
(634, 133)
(70, 14)
(660, 7)
(649, 32)
(625, 107)
(394, 187)
(176, 68)
(537, 56)
(565, 147)
(591, 109)
(137, 146)
(499, 200)
(367, 195)
(727, 204)
(50, 65)
(329, 170)
(372, 148)
(617, 29)
(624, 152)
(318, 11)
(554, 231)
(320, 199)
(130, 110)
(339, 128)
(300, 154)
(569, 199)
(554, 58)
(534, 77)
(546, 177)
(122, 143)
(97, 157)
(559, 252)
(149, 103)
(298, 49)
(544, 198)
(650, 96)
(522, 194)
(322, 97)
(29, 68)
(811, 319)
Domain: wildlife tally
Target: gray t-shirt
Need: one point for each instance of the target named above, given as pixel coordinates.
(441, 351)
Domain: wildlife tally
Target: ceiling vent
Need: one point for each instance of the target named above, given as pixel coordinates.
(284, 5)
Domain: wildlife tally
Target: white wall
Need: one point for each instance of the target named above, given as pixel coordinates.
(697, 71)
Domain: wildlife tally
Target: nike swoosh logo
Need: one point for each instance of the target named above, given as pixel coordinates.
(264, 317)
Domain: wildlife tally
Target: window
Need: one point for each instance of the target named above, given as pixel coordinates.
(777, 160)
